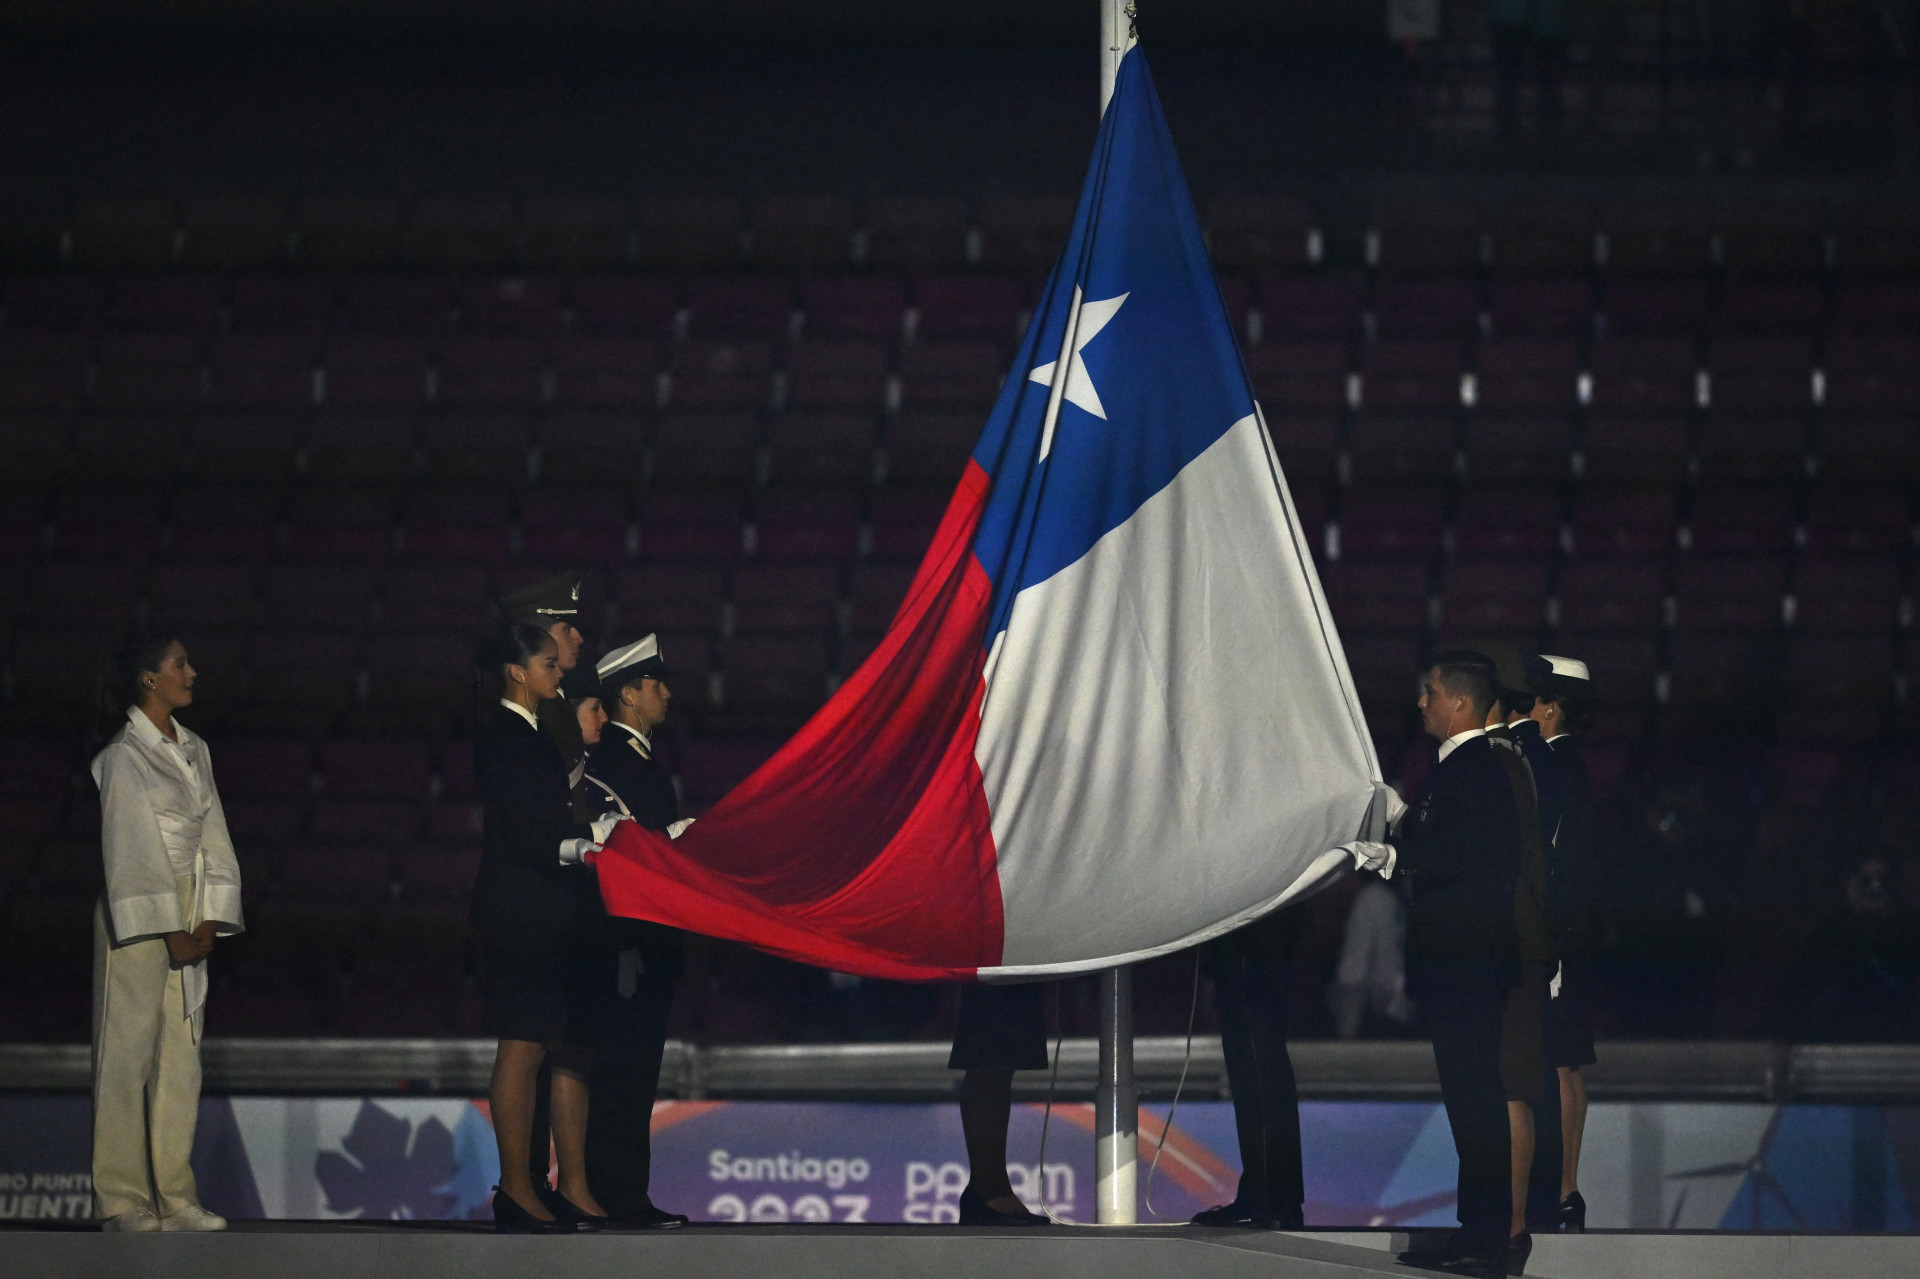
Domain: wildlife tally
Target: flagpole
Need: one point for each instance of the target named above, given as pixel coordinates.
(1116, 1123)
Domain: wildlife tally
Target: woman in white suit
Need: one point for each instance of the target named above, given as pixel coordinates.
(173, 885)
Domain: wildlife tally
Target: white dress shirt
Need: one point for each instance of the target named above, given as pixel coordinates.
(1447, 747)
(160, 818)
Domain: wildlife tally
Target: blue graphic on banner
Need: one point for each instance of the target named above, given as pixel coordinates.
(1646, 1166)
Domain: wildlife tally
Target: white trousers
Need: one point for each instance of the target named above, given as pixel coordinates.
(146, 1075)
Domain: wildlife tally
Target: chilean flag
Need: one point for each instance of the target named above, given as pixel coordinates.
(1111, 718)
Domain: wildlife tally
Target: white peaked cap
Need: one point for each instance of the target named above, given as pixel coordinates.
(642, 657)
(1566, 667)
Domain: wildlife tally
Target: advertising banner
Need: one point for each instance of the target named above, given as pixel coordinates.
(1687, 1166)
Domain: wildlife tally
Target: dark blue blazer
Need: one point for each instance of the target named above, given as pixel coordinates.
(645, 787)
(523, 896)
(1573, 871)
(1460, 843)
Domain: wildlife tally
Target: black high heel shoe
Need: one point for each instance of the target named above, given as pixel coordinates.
(1573, 1215)
(564, 1209)
(509, 1218)
(975, 1211)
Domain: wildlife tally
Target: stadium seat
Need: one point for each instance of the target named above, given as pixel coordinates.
(1418, 374)
(854, 306)
(300, 305)
(842, 373)
(335, 523)
(348, 231)
(415, 306)
(361, 370)
(257, 448)
(466, 446)
(1601, 594)
(68, 302)
(439, 596)
(1785, 310)
(625, 305)
(1499, 520)
(1549, 308)
(1647, 447)
(1640, 307)
(116, 521)
(750, 308)
(454, 523)
(803, 233)
(1501, 595)
(1743, 517)
(1392, 521)
(1543, 237)
(1847, 592)
(691, 524)
(1291, 376)
(261, 371)
(1023, 233)
(805, 524)
(1652, 236)
(575, 523)
(1737, 592)
(875, 595)
(1429, 236)
(687, 232)
(720, 375)
(136, 232)
(668, 596)
(236, 233)
(1511, 448)
(224, 521)
(419, 681)
(775, 598)
(1878, 447)
(1872, 307)
(1378, 594)
(204, 594)
(43, 370)
(341, 867)
(606, 372)
(490, 371)
(1326, 306)
(1306, 441)
(930, 449)
(776, 673)
(575, 233)
(1403, 447)
(1439, 307)
(463, 231)
(148, 371)
(1624, 519)
(706, 448)
(1855, 517)
(377, 768)
(715, 766)
(136, 447)
(916, 233)
(822, 447)
(984, 307)
(952, 374)
(1767, 374)
(1758, 445)
(1248, 232)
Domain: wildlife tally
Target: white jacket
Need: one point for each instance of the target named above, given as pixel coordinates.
(160, 817)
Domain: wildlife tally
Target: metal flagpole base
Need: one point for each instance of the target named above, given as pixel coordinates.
(1116, 1124)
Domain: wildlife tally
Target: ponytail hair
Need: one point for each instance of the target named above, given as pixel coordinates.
(513, 644)
(139, 653)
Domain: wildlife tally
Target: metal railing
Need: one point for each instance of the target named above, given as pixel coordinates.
(1345, 1070)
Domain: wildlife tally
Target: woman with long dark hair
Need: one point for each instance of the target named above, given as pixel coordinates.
(535, 905)
(172, 887)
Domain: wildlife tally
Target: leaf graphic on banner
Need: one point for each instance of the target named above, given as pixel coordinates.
(380, 1177)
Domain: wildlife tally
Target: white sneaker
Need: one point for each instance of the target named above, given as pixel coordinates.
(140, 1220)
(194, 1218)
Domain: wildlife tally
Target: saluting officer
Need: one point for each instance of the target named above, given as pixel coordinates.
(640, 960)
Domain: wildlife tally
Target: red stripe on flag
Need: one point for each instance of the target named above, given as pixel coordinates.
(865, 845)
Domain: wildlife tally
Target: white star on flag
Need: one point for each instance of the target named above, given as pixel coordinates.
(1084, 323)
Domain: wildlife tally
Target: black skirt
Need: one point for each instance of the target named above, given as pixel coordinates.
(539, 994)
(1001, 1026)
(1523, 1061)
(1570, 1021)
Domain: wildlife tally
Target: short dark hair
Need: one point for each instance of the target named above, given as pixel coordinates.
(1465, 673)
(1514, 701)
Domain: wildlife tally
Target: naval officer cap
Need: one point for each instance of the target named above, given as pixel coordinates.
(638, 660)
(1558, 676)
(555, 600)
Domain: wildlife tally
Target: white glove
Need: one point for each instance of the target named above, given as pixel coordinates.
(1369, 855)
(573, 852)
(674, 829)
(1396, 808)
(1553, 987)
(603, 826)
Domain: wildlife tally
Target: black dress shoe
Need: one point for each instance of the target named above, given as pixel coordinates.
(1519, 1248)
(975, 1211)
(647, 1218)
(1235, 1214)
(1433, 1250)
(1573, 1215)
(1482, 1261)
(509, 1218)
(564, 1209)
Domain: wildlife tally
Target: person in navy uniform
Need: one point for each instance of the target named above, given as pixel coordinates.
(1533, 1094)
(1460, 842)
(553, 605)
(534, 905)
(638, 961)
(1563, 707)
(1252, 972)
